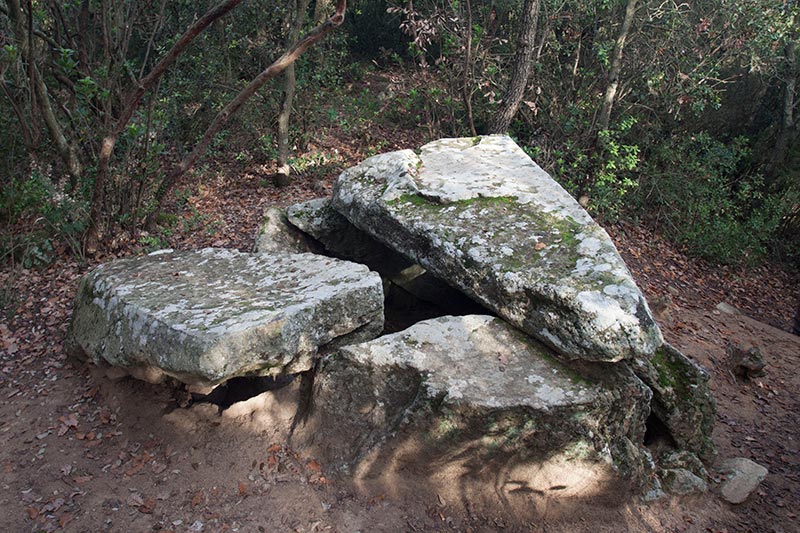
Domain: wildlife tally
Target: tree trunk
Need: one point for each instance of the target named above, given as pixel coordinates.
(39, 96)
(278, 66)
(66, 150)
(466, 89)
(295, 20)
(787, 130)
(616, 67)
(521, 68)
(321, 11)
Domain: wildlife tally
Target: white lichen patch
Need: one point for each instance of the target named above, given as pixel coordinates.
(478, 360)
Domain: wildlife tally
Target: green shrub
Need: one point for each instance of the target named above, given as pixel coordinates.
(45, 213)
(698, 187)
(606, 173)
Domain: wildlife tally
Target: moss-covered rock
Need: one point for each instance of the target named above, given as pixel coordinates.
(682, 399)
(482, 216)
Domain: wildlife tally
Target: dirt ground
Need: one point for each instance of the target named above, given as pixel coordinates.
(82, 452)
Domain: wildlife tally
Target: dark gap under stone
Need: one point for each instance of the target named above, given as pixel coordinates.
(657, 435)
(243, 388)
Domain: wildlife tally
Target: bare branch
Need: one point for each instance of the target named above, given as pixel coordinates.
(145, 84)
(280, 64)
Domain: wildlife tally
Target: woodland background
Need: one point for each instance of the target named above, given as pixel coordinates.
(681, 116)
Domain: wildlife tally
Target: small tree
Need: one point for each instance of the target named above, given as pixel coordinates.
(295, 18)
(132, 102)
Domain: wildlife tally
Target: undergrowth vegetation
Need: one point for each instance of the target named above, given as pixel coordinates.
(701, 141)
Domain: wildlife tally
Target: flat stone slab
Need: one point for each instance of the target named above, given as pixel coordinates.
(481, 215)
(206, 316)
(476, 381)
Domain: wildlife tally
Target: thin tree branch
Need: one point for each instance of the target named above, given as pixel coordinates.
(145, 84)
(280, 64)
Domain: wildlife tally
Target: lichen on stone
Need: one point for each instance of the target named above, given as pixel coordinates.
(490, 221)
(213, 314)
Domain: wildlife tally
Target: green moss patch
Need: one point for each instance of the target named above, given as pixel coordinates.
(670, 371)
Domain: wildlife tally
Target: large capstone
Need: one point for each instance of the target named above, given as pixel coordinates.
(480, 214)
(475, 383)
(206, 316)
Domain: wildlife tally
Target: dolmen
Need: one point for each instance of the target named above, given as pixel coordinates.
(542, 344)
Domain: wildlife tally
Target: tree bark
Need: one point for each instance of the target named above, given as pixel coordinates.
(521, 68)
(788, 126)
(321, 11)
(295, 23)
(39, 96)
(23, 123)
(66, 150)
(145, 84)
(278, 66)
(616, 67)
(466, 89)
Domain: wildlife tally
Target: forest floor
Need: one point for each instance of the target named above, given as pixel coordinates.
(81, 452)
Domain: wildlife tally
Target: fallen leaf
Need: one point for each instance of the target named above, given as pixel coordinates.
(71, 421)
(197, 498)
(539, 246)
(132, 471)
(65, 519)
(242, 489)
(135, 500)
(148, 505)
(32, 512)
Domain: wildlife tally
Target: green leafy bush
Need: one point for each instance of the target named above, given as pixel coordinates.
(45, 213)
(698, 189)
(605, 173)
